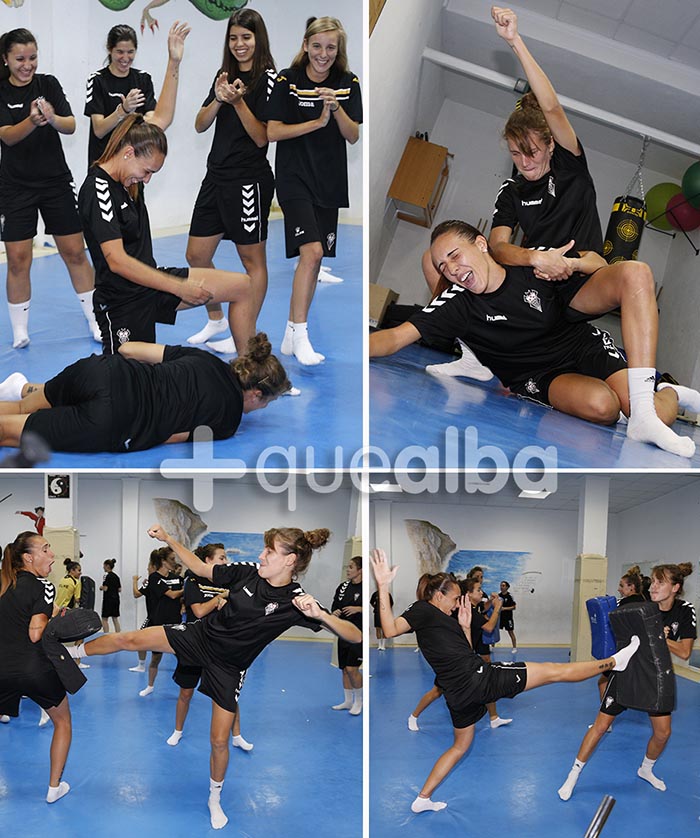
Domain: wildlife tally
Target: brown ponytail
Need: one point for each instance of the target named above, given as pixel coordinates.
(431, 584)
(674, 573)
(527, 118)
(13, 559)
(260, 370)
(297, 541)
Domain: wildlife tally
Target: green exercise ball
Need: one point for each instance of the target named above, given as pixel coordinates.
(691, 185)
(657, 199)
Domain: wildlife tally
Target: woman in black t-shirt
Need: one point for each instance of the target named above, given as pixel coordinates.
(469, 683)
(111, 587)
(131, 89)
(144, 396)
(513, 321)
(680, 627)
(26, 605)
(35, 178)
(315, 109)
(347, 605)
(235, 196)
(264, 600)
(131, 293)
(552, 199)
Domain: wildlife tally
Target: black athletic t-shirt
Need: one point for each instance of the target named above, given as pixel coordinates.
(37, 160)
(31, 595)
(190, 387)
(559, 206)
(112, 582)
(165, 610)
(108, 213)
(197, 591)
(102, 95)
(348, 593)
(681, 621)
(313, 166)
(513, 330)
(255, 614)
(630, 600)
(234, 155)
(444, 645)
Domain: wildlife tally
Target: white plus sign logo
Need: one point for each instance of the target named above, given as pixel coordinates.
(202, 468)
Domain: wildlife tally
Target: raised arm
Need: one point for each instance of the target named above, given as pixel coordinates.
(165, 109)
(191, 562)
(492, 621)
(384, 575)
(507, 27)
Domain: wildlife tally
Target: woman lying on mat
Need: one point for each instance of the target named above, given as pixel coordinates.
(143, 396)
(680, 628)
(469, 683)
(516, 325)
(264, 600)
(131, 293)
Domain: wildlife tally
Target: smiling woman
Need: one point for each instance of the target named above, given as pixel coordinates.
(131, 294)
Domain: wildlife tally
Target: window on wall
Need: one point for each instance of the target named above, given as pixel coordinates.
(375, 9)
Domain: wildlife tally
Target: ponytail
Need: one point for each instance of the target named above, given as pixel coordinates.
(13, 559)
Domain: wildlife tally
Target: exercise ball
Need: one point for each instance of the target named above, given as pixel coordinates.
(657, 198)
(681, 215)
(691, 185)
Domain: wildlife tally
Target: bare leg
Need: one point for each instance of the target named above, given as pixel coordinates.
(200, 254)
(19, 262)
(60, 742)
(105, 625)
(72, 251)
(156, 658)
(254, 259)
(355, 679)
(11, 428)
(221, 724)
(426, 700)
(182, 708)
(540, 674)
(117, 625)
(594, 734)
(151, 639)
(661, 733)
(296, 338)
(585, 397)
(445, 763)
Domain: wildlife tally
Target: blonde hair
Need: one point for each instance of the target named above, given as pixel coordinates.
(316, 25)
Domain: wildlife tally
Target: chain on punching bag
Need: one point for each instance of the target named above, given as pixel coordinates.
(627, 219)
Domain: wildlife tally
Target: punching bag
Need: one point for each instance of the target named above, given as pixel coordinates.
(625, 228)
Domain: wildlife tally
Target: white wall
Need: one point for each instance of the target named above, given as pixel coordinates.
(238, 507)
(71, 35)
(404, 28)
(543, 617)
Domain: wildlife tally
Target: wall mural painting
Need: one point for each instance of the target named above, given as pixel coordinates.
(239, 546)
(436, 551)
(214, 9)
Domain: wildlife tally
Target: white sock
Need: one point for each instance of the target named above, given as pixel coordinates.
(239, 742)
(293, 391)
(11, 387)
(287, 347)
(223, 347)
(567, 789)
(381, 645)
(146, 691)
(622, 658)
(425, 804)
(56, 792)
(499, 722)
(76, 652)
(138, 668)
(5, 720)
(301, 346)
(19, 318)
(174, 737)
(356, 708)
(346, 704)
(44, 718)
(413, 722)
(688, 398)
(646, 772)
(211, 328)
(216, 813)
(643, 424)
(85, 300)
(468, 366)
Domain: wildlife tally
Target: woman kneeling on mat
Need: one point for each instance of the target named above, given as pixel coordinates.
(680, 628)
(131, 293)
(264, 600)
(144, 396)
(469, 683)
(516, 325)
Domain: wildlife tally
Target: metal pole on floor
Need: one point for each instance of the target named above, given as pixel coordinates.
(595, 827)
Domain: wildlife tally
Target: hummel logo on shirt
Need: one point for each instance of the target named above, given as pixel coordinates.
(492, 317)
(247, 591)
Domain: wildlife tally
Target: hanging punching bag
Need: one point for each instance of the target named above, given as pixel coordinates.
(625, 228)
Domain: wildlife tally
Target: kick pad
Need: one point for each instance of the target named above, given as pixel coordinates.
(603, 643)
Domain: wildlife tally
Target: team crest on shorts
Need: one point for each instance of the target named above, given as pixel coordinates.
(531, 387)
(123, 335)
(532, 298)
(270, 608)
(330, 240)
